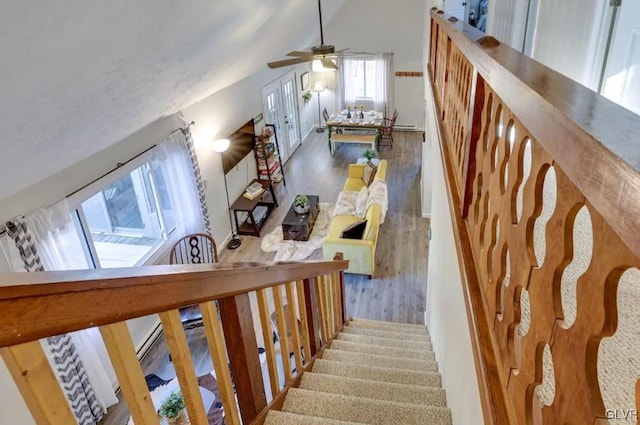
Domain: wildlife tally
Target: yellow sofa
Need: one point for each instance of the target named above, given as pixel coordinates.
(361, 253)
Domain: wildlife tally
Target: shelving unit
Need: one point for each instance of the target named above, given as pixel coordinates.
(267, 153)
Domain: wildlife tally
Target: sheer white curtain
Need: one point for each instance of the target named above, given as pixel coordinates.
(60, 248)
(177, 170)
(383, 80)
(383, 94)
(346, 92)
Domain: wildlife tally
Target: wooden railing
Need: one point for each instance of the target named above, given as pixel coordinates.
(509, 125)
(38, 305)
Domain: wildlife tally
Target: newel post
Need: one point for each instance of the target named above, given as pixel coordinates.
(240, 337)
(313, 317)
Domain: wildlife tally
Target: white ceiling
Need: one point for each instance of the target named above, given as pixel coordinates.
(78, 76)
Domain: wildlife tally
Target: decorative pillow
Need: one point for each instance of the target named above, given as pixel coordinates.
(369, 173)
(354, 231)
(361, 201)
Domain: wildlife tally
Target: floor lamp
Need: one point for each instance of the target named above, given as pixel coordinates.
(220, 146)
(319, 88)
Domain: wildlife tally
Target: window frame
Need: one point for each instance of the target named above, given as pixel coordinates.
(168, 236)
(364, 60)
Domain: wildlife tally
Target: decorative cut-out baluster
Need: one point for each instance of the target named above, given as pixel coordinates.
(549, 193)
(524, 170)
(580, 241)
(618, 359)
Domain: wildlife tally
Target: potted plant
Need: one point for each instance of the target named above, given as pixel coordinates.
(301, 204)
(369, 154)
(307, 96)
(172, 408)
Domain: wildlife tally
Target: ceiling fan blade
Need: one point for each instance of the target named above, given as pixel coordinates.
(340, 51)
(300, 53)
(287, 62)
(328, 63)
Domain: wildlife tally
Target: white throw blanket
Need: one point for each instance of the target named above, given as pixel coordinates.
(346, 204)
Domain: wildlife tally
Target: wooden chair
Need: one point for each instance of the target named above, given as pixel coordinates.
(386, 133)
(325, 115)
(197, 248)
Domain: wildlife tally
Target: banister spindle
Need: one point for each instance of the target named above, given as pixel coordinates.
(282, 334)
(124, 359)
(267, 334)
(322, 304)
(37, 384)
(302, 309)
(293, 321)
(216, 342)
(240, 337)
(183, 365)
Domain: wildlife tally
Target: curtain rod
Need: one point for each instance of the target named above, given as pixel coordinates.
(121, 164)
(365, 53)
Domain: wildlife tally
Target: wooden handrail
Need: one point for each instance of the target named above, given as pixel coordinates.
(41, 304)
(493, 104)
(592, 139)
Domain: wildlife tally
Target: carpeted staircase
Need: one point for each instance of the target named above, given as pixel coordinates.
(372, 373)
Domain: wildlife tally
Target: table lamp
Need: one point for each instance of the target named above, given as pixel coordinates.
(220, 146)
(318, 87)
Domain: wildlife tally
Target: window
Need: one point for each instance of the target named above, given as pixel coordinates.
(364, 77)
(128, 218)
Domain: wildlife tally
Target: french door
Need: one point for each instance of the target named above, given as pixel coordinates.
(280, 106)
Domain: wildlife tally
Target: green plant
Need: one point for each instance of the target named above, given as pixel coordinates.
(301, 201)
(369, 154)
(172, 405)
(307, 96)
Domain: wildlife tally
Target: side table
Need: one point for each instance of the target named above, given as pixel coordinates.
(251, 226)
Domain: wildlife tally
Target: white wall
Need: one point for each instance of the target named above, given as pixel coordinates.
(395, 27)
(446, 314)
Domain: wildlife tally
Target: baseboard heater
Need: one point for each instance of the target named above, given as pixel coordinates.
(404, 127)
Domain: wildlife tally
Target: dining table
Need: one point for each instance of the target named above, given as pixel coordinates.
(338, 122)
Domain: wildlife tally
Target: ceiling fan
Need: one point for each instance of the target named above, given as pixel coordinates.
(323, 52)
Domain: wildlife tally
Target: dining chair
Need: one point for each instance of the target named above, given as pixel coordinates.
(325, 115)
(197, 248)
(386, 132)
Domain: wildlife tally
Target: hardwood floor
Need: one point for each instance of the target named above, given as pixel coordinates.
(397, 291)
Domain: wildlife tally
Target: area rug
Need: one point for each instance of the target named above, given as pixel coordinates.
(299, 250)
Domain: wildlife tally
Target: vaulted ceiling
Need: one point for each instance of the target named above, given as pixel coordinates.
(78, 76)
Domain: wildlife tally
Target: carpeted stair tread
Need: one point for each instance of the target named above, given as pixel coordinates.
(410, 394)
(403, 331)
(275, 417)
(385, 342)
(388, 325)
(382, 374)
(379, 361)
(361, 410)
(382, 351)
(380, 333)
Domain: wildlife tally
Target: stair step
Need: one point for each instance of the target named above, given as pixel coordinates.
(343, 345)
(382, 374)
(360, 410)
(384, 342)
(377, 324)
(379, 361)
(276, 417)
(410, 394)
(380, 333)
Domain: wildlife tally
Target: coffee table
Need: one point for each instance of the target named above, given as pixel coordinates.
(298, 227)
